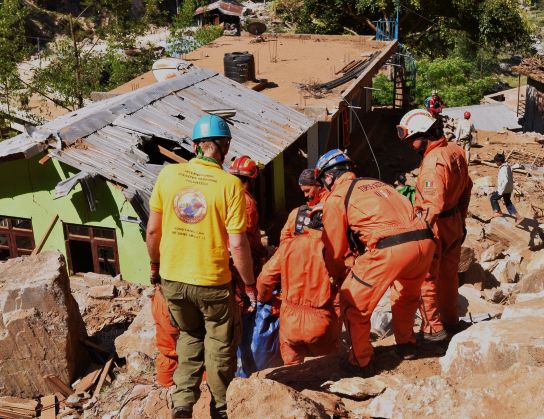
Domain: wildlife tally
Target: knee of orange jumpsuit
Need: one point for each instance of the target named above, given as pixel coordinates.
(289, 353)
(358, 329)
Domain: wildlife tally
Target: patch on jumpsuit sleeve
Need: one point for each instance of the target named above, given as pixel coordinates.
(429, 188)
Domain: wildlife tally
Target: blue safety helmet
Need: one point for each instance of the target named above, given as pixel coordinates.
(209, 127)
(330, 159)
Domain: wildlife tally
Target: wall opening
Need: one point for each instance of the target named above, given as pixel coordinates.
(91, 249)
(16, 237)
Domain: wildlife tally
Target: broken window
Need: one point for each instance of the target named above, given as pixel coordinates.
(91, 249)
(16, 237)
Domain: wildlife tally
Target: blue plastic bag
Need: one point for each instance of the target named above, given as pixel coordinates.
(260, 346)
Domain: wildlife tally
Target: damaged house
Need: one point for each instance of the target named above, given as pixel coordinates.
(81, 183)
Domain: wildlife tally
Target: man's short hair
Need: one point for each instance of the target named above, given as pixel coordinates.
(307, 178)
(499, 157)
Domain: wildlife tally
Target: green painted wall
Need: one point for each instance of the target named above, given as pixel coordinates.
(27, 190)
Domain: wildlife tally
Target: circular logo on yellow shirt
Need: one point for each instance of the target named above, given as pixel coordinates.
(190, 206)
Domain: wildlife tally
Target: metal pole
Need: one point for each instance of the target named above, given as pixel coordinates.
(397, 22)
(519, 88)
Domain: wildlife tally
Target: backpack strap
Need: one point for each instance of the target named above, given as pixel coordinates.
(355, 243)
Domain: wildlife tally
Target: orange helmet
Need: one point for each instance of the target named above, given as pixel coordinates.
(244, 166)
(467, 115)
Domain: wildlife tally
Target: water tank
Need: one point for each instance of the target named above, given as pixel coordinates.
(239, 66)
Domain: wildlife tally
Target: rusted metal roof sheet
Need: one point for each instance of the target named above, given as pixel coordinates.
(109, 137)
(227, 8)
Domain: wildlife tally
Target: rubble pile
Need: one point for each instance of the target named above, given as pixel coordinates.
(41, 329)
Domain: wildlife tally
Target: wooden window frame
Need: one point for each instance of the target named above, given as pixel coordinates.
(14, 232)
(95, 242)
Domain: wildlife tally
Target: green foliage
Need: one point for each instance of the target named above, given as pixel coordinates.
(208, 34)
(384, 96)
(97, 72)
(13, 47)
(458, 81)
(60, 75)
(185, 17)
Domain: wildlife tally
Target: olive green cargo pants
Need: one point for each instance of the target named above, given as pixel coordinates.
(210, 330)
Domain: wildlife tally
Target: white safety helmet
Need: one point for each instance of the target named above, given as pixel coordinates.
(417, 121)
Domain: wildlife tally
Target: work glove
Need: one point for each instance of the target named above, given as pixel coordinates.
(251, 292)
(154, 276)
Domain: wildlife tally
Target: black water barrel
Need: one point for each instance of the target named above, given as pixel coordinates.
(239, 66)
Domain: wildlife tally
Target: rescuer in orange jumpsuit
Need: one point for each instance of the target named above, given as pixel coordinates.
(247, 171)
(442, 198)
(308, 322)
(391, 248)
(314, 193)
(166, 336)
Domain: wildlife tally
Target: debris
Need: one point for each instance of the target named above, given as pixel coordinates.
(526, 308)
(492, 253)
(536, 261)
(494, 346)
(16, 407)
(495, 295)
(103, 291)
(253, 397)
(532, 282)
(359, 388)
(506, 271)
(103, 374)
(467, 258)
(88, 381)
(40, 325)
(58, 385)
(48, 407)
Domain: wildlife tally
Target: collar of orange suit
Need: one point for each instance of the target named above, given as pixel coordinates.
(435, 144)
(345, 177)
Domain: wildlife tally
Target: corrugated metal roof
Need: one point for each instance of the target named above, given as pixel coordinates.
(488, 117)
(227, 8)
(107, 137)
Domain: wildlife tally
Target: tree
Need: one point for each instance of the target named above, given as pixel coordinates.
(14, 48)
(429, 27)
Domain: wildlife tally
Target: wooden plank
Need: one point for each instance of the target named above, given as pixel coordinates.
(171, 155)
(49, 407)
(44, 159)
(88, 381)
(103, 375)
(45, 235)
(18, 403)
(59, 385)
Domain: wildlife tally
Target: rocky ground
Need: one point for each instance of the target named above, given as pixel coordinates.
(494, 368)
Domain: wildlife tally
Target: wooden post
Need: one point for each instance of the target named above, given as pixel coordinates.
(45, 235)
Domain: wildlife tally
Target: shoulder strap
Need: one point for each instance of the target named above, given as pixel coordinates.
(350, 191)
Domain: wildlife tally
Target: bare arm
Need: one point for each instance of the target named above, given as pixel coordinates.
(241, 256)
(153, 236)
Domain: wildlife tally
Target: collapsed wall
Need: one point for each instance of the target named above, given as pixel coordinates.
(40, 325)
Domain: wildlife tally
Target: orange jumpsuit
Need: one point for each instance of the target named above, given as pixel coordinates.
(442, 196)
(167, 335)
(308, 323)
(375, 211)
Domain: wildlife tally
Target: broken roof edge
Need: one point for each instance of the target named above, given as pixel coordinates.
(225, 7)
(372, 69)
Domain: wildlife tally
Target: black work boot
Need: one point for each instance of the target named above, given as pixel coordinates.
(182, 412)
(357, 371)
(406, 351)
(453, 329)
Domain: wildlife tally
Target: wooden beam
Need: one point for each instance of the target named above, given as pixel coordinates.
(171, 155)
(44, 159)
(103, 375)
(49, 407)
(45, 235)
(59, 385)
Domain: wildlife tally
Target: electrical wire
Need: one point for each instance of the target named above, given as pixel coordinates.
(366, 137)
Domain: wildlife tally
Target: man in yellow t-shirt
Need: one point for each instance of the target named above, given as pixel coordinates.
(197, 213)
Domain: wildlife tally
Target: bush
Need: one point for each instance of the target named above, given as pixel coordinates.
(384, 96)
(208, 34)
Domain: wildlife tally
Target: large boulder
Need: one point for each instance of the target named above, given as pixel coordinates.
(512, 393)
(138, 344)
(532, 282)
(493, 346)
(523, 309)
(471, 301)
(493, 252)
(41, 328)
(536, 262)
(262, 398)
(504, 230)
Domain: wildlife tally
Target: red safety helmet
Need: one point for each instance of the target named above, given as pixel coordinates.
(467, 115)
(244, 166)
